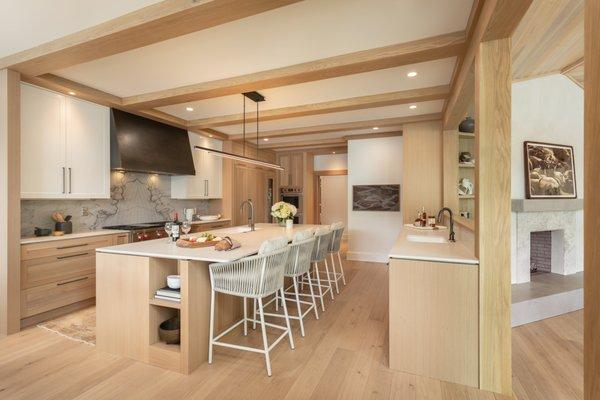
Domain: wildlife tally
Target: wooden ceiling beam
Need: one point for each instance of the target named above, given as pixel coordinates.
(65, 86)
(428, 49)
(373, 135)
(152, 24)
(345, 126)
(316, 150)
(497, 19)
(354, 103)
(305, 143)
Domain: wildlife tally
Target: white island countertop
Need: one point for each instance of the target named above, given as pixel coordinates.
(250, 241)
(446, 252)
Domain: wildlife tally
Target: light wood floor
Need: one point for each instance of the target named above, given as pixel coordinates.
(548, 358)
(343, 357)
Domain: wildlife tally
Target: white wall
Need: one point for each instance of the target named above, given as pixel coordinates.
(331, 162)
(371, 234)
(547, 109)
(550, 110)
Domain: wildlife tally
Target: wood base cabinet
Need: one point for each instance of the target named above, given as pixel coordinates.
(433, 321)
(58, 274)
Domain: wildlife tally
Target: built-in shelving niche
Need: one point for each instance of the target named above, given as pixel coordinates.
(159, 353)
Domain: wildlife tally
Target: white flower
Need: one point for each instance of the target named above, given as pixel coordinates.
(282, 210)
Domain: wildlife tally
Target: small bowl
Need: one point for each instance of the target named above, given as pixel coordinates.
(168, 331)
(174, 282)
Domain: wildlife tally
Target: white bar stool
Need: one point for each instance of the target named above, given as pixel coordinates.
(319, 254)
(334, 248)
(253, 277)
(298, 264)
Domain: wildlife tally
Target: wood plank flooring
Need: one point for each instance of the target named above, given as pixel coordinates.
(344, 356)
(548, 358)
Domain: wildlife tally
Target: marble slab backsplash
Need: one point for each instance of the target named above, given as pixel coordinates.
(134, 198)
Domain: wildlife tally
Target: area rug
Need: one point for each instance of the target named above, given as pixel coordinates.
(79, 325)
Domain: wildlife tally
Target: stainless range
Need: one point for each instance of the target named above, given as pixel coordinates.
(144, 231)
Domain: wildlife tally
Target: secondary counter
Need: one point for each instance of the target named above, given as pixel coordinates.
(446, 252)
(78, 235)
(433, 307)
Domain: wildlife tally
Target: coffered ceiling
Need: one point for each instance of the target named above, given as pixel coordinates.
(329, 69)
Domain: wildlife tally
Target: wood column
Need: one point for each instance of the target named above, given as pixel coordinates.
(10, 201)
(591, 224)
(492, 209)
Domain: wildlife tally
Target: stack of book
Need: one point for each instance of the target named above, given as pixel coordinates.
(167, 293)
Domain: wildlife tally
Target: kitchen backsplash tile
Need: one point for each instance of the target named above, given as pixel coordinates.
(134, 198)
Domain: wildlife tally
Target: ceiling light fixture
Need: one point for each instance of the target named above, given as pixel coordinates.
(72, 93)
(413, 106)
(257, 98)
(266, 139)
(190, 109)
(412, 74)
(375, 128)
(333, 152)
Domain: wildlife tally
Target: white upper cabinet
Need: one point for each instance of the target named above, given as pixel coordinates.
(88, 149)
(43, 167)
(65, 146)
(207, 183)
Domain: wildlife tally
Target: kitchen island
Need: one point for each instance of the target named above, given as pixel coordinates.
(433, 307)
(128, 315)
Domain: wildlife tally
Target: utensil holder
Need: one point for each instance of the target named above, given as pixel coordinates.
(66, 227)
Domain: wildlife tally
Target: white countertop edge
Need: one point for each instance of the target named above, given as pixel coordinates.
(211, 260)
(76, 235)
(435, 259)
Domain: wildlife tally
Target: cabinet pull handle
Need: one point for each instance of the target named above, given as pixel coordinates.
(72, 255)
(70, 184)
(71, 246)
(72, 281)
(64, 180)
(206, 187)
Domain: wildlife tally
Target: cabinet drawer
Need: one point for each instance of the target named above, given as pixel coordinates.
(64, 247)
(41, 271)
(48, 297)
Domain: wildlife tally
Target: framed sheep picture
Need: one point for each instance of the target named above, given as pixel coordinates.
(549, 171)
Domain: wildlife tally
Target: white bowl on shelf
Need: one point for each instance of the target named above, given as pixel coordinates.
(173, 281)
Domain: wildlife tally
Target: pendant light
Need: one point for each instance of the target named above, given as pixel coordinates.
(257, 98)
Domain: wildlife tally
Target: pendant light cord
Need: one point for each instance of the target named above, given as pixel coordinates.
(244, 130)
(257, 129)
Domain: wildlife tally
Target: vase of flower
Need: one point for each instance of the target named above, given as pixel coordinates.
(282, 211)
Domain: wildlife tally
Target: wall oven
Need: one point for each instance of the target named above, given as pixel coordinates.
(293, 195)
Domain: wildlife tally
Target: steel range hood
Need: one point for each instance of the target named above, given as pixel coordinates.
(140, 144)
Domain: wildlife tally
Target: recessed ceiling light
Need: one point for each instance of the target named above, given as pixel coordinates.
(333, 152)
(266, 139)
(412, 74)
(188, 108)
(413, 106)
(210, 135)
(375, 128)
(72, 93)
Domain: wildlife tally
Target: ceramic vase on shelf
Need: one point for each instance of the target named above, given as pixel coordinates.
(467, 125)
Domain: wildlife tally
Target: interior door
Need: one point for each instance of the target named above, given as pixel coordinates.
(88, 150)
(42, 144)
(334, 199)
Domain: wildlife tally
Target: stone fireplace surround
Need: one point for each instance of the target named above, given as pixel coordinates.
(564, 218)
